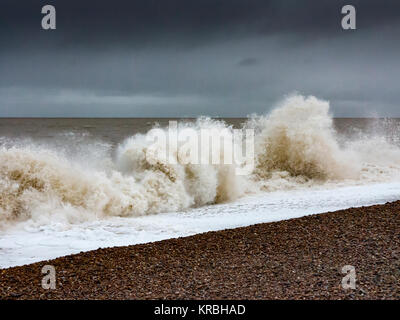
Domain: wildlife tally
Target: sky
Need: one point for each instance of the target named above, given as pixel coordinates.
(186, 58)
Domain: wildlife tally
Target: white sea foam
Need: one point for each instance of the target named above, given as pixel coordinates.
(295, 147)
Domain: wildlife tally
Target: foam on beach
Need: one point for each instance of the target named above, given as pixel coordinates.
(296, 147)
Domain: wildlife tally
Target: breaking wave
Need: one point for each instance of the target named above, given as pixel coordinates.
(296, 146)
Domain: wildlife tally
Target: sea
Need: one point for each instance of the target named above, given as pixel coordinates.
(69, 185)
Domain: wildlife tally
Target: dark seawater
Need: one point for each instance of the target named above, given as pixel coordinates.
(115, 130)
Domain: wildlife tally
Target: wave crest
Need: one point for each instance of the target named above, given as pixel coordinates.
(295, 146)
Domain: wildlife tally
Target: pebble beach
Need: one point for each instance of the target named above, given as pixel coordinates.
(292, 259)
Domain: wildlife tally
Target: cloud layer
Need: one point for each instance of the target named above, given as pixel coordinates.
(226, 58)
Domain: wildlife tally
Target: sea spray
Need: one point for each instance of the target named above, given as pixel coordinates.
(296, 146)
(297, 140)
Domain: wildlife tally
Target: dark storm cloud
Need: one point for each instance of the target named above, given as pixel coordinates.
(182, 57)
(117, 20)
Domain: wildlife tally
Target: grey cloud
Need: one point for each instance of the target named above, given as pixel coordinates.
(247, 62)
(187, 58)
